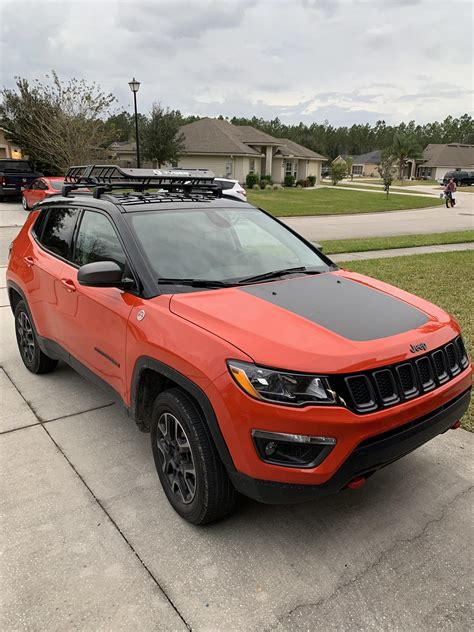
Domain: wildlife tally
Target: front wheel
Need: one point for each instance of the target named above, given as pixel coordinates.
(24, 203)
(193, 477)
(33, 358)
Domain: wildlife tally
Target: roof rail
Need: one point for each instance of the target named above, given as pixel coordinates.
(105, 178)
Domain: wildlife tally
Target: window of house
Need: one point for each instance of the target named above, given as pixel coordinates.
(357, 170)
(288, 168)
(97, 241)
(252, 165)
(228, 169)
(58, 229)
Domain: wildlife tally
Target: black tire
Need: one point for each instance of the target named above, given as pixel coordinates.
(192, 475)
(24, 203)
(33, 358)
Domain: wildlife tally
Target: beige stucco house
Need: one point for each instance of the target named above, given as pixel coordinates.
(439, 158)
(233, 151)
(364, 164)
(7, 148)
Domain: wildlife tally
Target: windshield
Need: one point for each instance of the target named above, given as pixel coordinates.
(15, 165)
(219, 245)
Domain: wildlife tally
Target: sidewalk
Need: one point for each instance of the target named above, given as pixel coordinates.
(399, 252)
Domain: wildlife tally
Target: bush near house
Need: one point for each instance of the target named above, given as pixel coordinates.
(289, 181)
(251, 179)
(311, 180)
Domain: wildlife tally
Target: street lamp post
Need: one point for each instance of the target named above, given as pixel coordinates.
(134, 86)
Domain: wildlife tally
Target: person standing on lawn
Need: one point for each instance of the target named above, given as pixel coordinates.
(449, 191)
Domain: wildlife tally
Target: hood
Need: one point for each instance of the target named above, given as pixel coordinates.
(331, 322)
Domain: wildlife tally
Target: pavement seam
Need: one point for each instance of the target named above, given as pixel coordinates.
(99, 503)
(383, 555)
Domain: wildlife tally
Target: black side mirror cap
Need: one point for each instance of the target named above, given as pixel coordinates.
(100, 274)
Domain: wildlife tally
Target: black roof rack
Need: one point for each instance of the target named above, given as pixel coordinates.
(106, 178)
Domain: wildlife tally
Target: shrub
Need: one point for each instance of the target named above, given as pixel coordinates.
(277, 187)
(338, 172)
(256, 187)
(289, 181)
(268, 187)
(251, 180)
(311, 180)
(301, 183)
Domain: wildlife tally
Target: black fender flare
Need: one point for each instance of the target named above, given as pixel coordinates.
(146, 362)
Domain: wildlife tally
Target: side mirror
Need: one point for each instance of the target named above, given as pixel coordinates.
(100, 274)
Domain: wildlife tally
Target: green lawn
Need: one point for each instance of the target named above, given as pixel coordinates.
(336, 246)
(333, 201)
(446, 279)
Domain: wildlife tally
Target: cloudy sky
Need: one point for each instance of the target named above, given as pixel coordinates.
(348, 61)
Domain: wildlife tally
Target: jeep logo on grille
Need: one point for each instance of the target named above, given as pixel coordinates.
(419, 347)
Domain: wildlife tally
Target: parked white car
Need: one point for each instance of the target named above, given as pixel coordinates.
(232, 188)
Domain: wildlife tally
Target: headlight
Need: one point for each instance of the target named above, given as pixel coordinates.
(280, 386)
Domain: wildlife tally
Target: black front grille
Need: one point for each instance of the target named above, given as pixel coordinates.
(361, 392)
(390, 385)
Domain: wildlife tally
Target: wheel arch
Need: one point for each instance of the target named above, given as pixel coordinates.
(150, 378)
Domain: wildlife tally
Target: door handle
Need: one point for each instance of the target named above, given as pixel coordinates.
(29, 261)
(69, 285)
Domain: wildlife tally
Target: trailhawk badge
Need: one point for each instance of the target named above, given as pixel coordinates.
(419, 347)
(141, 314)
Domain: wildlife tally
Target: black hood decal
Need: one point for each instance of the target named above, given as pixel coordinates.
(350, 309)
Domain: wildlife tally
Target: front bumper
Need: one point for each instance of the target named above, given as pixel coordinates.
(369, 456)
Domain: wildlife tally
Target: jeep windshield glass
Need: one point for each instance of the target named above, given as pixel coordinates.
(226, 245)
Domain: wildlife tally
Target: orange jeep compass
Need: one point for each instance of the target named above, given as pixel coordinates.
(256, 364)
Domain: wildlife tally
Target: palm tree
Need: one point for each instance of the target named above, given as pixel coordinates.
(404, 148)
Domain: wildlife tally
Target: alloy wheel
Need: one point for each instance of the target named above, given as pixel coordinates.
(176, 458)
(26, 337)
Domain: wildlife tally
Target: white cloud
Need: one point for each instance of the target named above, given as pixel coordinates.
(347, 61)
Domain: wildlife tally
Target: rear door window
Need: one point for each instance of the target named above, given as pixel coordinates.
(58, 230)
(97, 241)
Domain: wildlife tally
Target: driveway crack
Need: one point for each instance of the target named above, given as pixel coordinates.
(380, 558)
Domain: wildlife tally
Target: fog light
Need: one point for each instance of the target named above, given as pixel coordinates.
(291, 450)
(270, 448)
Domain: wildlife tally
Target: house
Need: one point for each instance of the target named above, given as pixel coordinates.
(123, 153)
(233, 151)
(7, 148)
(364, 164)
(437, 159)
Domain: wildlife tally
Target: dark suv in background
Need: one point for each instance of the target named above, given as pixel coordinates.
(461, 178)
(14, 175)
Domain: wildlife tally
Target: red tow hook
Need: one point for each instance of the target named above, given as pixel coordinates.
(356, 483)
(456, 425)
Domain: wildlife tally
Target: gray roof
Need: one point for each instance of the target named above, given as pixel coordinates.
(448, 155)
(217, 136)
(214, 136)
(290, 148)
(371, 158)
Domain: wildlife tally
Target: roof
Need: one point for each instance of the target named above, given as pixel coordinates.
(290, 148)
(371, 158)
(448, 155)
(215, 136)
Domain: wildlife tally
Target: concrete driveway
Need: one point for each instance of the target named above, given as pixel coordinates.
(90, 542)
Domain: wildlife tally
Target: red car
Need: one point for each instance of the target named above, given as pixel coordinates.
(40, 189)
(254, 362)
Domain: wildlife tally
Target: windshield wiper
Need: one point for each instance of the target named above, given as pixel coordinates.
(194, 282)
(276, 273)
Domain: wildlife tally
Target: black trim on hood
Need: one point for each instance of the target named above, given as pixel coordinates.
(350, 309)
